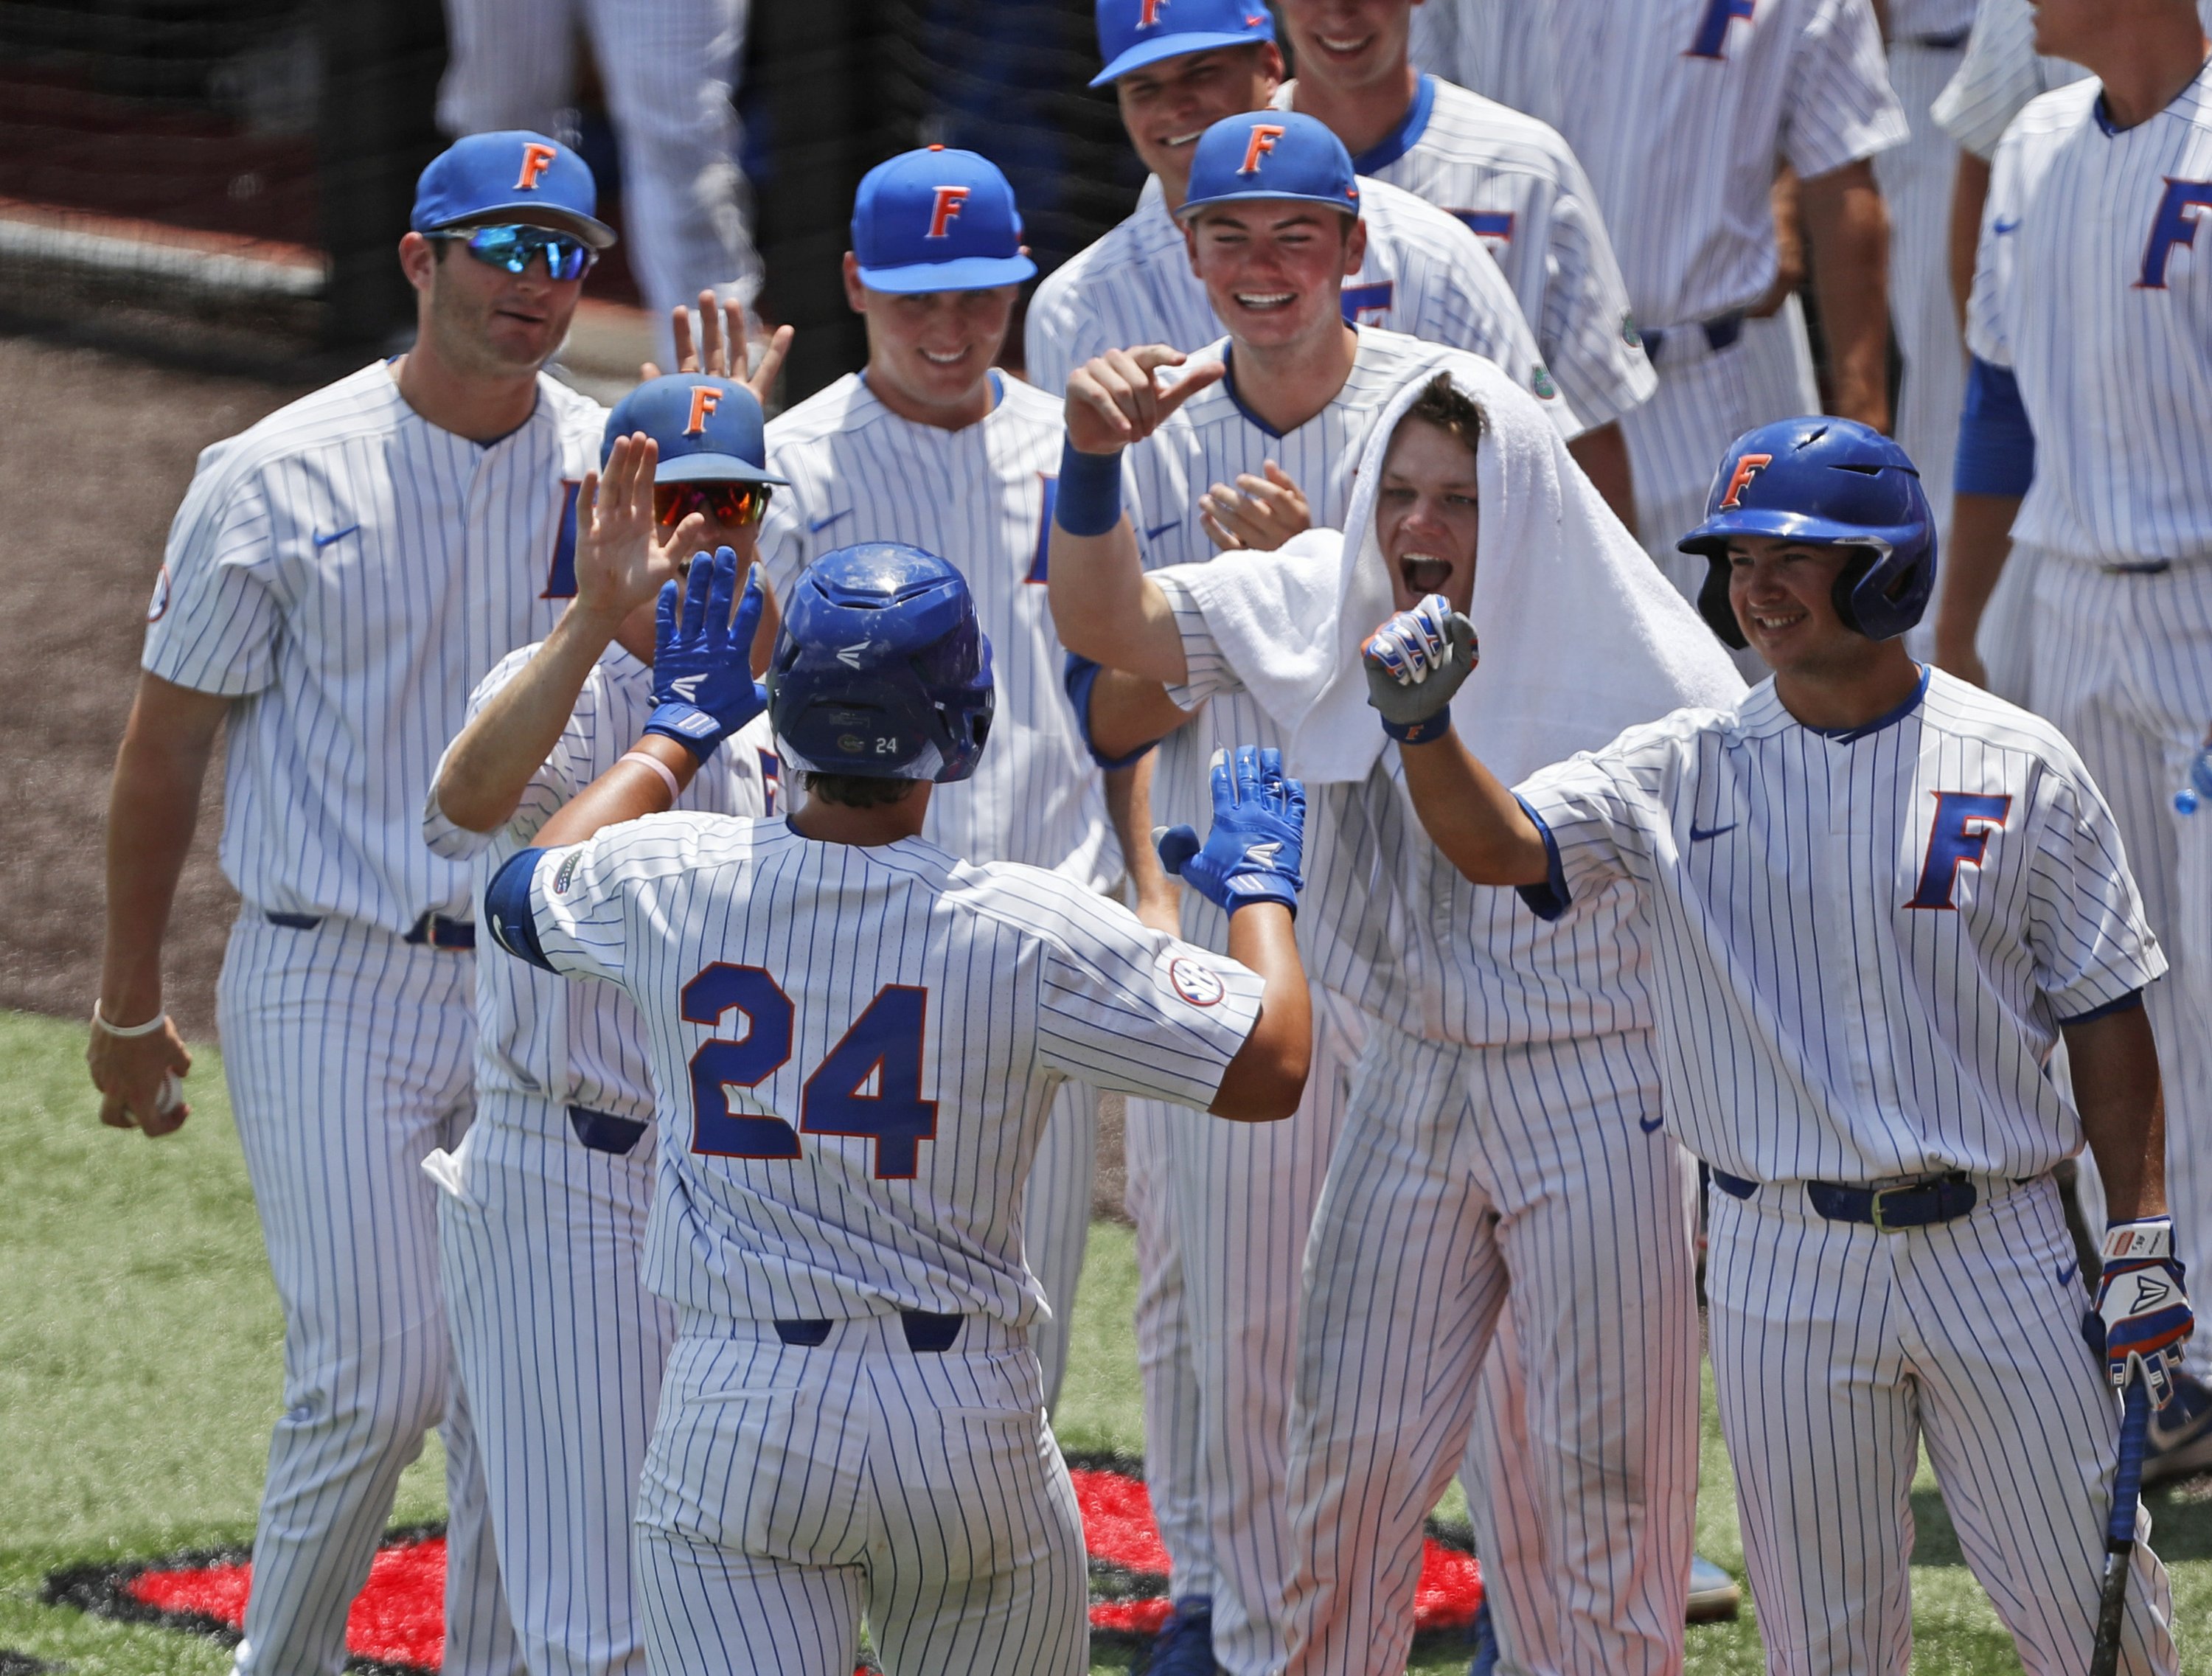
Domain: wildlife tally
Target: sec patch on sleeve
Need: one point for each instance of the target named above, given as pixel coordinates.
(1196, 982)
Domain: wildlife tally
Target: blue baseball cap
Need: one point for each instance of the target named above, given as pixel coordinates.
(938, 220)
(514, 175)
(709, 429)
(1133, 34)
(1271, 155)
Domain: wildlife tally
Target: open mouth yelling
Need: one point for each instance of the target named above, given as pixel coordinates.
(1424, 572)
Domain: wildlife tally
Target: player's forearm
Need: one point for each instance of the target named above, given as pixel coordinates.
(1129, 712)
(1471, 817)
(1603, 456)
(1981, 541)
(1847, 228)
(1970, 191)
(1154, 897)
(1267, 1078)
(153, 806)
(627, 792)
(1107, 611)
(2113, 1061)
(489, 767)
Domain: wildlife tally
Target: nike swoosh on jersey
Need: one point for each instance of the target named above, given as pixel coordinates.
(815, 526)
(1649, 1125)
(1159, 529)
(323, 541)
(2001, 227)
(1699, 835)
(2067, 1273)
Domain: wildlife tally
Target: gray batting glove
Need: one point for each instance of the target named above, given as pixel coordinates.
(1415, 662)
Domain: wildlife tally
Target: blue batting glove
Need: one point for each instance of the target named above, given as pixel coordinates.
(1258, 837)
(703, 689)
(2146, 1315)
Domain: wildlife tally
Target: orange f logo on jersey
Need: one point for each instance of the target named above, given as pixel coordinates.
(705, 398)
(948, 200)
(1262, 141)
(1746, 469)
(537, 158)
(1151, 13)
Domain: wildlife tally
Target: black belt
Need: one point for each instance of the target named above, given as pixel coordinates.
(603, 1132)
(1721, 331)
(1949, 41)
(1912, 1204)
(2138, 567)
(435, 929)
(926, 1334)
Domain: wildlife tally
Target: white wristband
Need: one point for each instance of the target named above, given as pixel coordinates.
(2147, 1239)
(126, 1031)
(666, 774)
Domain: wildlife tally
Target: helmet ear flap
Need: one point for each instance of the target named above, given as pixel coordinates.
(1848, 579)
(1713, 603)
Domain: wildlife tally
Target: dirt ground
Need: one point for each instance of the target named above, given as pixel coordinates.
(96, 451)
(95, 455)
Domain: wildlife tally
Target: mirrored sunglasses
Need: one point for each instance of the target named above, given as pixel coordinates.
(511, 247)
(729, 504)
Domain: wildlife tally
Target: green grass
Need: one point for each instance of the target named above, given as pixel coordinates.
(140, 1368)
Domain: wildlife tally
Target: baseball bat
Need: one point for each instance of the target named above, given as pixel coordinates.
(2120, 1529)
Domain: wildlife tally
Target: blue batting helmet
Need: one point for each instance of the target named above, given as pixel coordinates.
(881, 669)
(1829, 482)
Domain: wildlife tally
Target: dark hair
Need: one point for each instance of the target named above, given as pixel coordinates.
(858, 791)
(1450, 409)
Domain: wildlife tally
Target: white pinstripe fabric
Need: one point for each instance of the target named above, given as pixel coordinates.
(981, 498)
(347, 571)
(1420, 278)
(2001, 72)
(1916, 179)
(1518, 187)
(669, 70)
(1925, 1052)
(1837, 1349)
(2123, 665)
(1459, 1167)
(1499, 48)
(347, 1055)
(556, 1337)
(790, 1492)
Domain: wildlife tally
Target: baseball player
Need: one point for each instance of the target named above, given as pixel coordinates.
(1514, 182)
(556, 1337)
(1489, 1129)
(670, 68)
(1888, 1259)
(857, 1038)
(930, 445)
(1178, 68)
(1222, 1219)
(338, 579)
(1679, 110)
(2091, 362)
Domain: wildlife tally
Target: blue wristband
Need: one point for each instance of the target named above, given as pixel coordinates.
(1089, 500)
(1419, 732)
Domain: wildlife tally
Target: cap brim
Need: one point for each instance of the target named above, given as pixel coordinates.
(596, 234)
(1172, 46)
(713, 469)
(1343, 206)
(966, 273)
(1712, 535)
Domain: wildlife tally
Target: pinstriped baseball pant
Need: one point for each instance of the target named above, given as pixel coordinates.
(2122, 666)
(1836, 1350)
(346, 1053)
(559, 1347)
(1460, 1169)
(791, 1491)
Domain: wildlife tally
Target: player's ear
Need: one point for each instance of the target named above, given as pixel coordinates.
(418, 259)
(1268, 66)
(856, 294)
(1355, 247)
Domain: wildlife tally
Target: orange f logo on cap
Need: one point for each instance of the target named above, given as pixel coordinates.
(948, 200)
(1746, 469)
(537, 158)
(1150, 15)
(1262, 141)
(705, 398)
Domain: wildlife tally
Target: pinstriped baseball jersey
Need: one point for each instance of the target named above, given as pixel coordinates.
(1209, 439)
(981, 498)
(1680, 109)
(352, 571)
(2093, 285)
(1518, 188)
(570, 1043)
(856, 1048)
(2001, 72)
(1969, 895)
(1499, 48)
(1420, 278)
